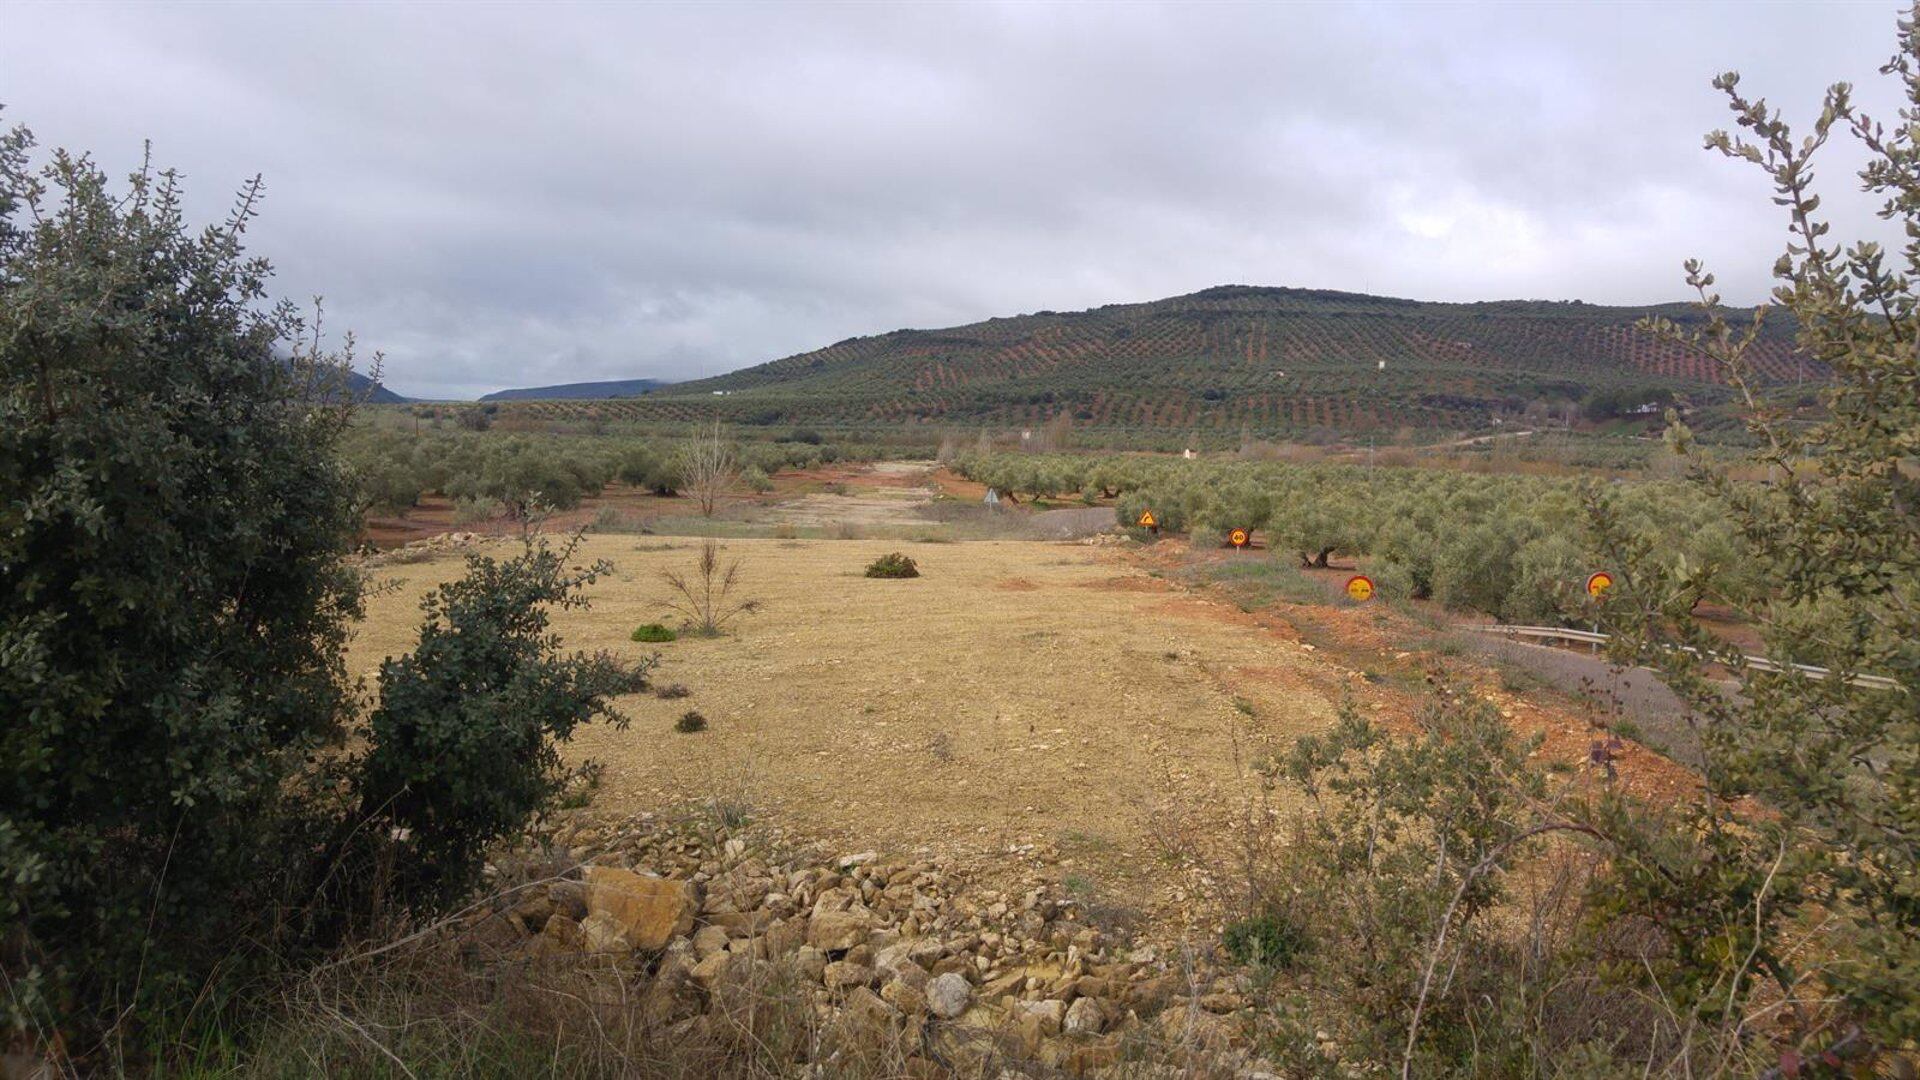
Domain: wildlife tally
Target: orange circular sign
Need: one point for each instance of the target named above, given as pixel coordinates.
(1598, 583)
(1360, 587)
(1238, 538)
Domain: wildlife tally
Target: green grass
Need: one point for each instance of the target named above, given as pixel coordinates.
(1255, 581)
(1269, 939)
(1076, 843)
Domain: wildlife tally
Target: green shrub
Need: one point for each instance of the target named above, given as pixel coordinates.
(631, 676)
(1271, 939)
(893, 565)
(172, 596)
(190, 798)
(475, 509)
(1825, 558)
(654, 632)
(463, 738)
(690, 722)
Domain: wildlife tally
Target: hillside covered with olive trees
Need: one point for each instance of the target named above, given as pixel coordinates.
(1269, 362)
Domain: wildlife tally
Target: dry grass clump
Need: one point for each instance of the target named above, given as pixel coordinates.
(706, 596)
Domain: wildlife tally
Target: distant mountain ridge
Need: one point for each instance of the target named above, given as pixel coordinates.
(1268, 361)
(581, 391)
(364, 388)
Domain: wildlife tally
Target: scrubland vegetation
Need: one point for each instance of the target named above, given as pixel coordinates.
(223, 855)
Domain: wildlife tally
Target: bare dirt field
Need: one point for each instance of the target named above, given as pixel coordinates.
(1017, 693)
(1069, 708)
(884, 493)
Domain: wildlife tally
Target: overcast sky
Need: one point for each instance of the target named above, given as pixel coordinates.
(508, 196)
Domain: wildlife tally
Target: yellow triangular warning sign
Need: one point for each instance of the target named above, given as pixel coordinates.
(1147, 520)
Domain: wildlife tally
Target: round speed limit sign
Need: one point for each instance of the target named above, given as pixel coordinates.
(1360, 588)
(1238, 538)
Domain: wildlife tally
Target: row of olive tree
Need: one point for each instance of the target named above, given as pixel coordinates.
(394, 468)
(1515, 547)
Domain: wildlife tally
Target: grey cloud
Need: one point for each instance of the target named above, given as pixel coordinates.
(503, 196)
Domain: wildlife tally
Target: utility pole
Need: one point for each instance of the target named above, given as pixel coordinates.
(1382, 366)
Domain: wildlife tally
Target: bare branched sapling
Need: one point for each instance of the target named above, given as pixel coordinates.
(705, 597)
(708, 469)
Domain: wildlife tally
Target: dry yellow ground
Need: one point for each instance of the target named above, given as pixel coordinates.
(1017, 692)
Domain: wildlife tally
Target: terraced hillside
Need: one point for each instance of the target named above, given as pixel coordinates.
(583, 391)
(1267, 361)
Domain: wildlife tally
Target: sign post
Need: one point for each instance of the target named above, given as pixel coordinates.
(1239, 538)
(1598, 583)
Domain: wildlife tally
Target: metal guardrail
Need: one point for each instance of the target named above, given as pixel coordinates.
(1759, 663)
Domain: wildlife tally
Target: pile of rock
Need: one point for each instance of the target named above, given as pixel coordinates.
(905, 945)
(425, 548)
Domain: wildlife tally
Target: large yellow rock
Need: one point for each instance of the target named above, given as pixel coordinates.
(838, 931)
(650, 911)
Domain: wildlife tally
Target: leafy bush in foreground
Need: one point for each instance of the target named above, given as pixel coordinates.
(1835, 536)
(463, 739)
(1764, 924)
(190, 797)
(173, 604)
